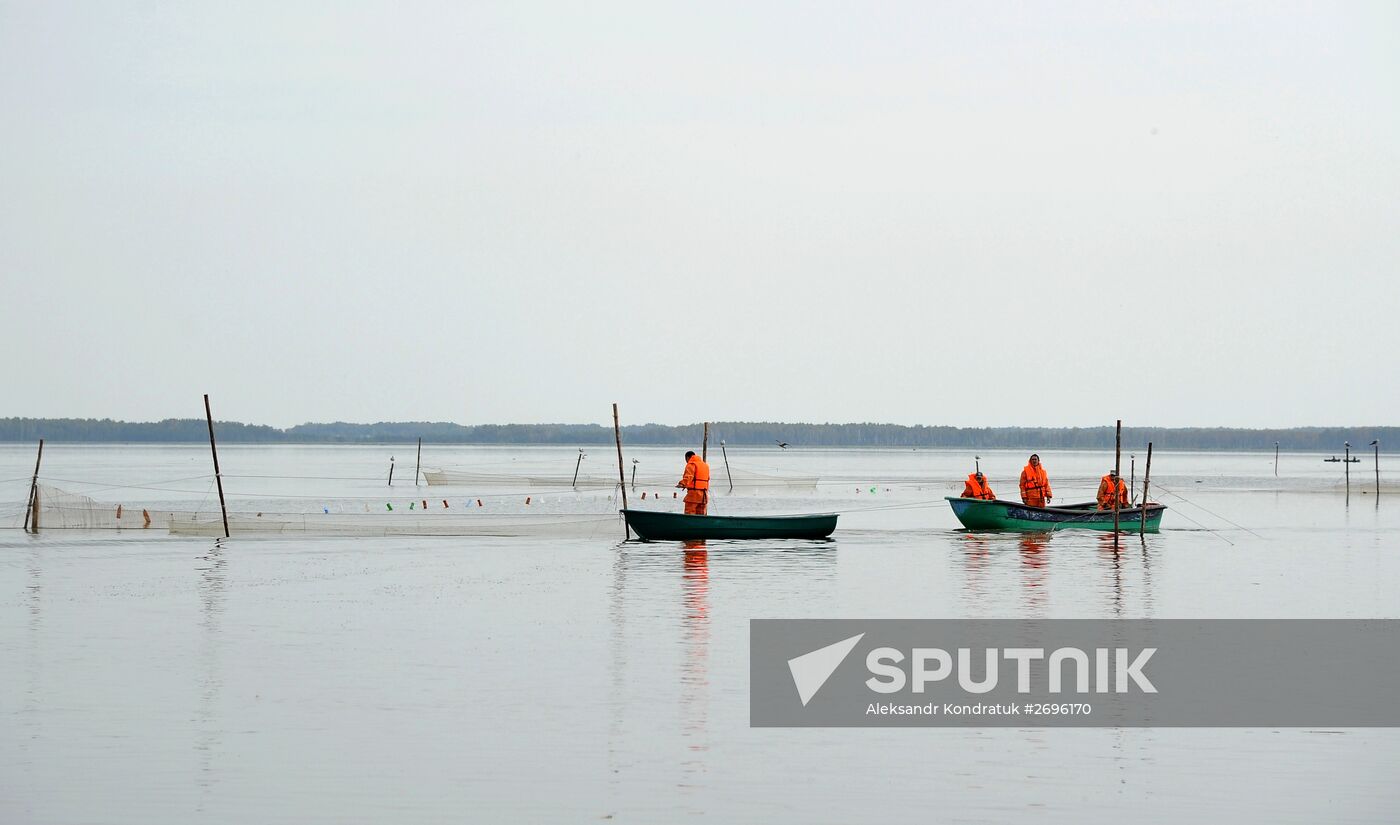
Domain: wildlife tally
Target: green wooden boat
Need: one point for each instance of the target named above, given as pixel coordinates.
(652, 525)
(979, 514)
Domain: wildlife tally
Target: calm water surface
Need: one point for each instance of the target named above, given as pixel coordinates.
(149, 678)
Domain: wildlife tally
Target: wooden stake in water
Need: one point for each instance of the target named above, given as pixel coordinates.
(635, 462)
(1347, 464)
(1275, 459)
(1117, 465)
(218, 477)
(705, 444)
(391, 471)
(725, 453)
(1132, 477)
(621, 474)
(577, 464)
(1376, 444)
(31, 512)
(418, 465)
(1146, 477)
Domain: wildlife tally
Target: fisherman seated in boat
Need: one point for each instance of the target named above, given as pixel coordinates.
(1035, 484)
(976, 487)
(1111, 487)
(696, 483)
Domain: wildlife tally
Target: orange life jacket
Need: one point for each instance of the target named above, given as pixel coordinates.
(1034, 482)
(977, 489)
(1106, 493)
(697, 474)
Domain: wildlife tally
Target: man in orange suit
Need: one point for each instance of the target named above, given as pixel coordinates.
(696, 483)
(1035, 485)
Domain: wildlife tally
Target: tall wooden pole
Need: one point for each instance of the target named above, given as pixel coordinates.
(418, 465)
(1132, 477)
(31, 512)
(1376, 444)
(577, 464)
(1146, 477)
(1117, 478)
(1347, 464)
(725, 453)
(705, 444)
(1275, 459)
(621, 473)
(218, 478)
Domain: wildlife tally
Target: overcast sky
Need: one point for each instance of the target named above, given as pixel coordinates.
(969, 214)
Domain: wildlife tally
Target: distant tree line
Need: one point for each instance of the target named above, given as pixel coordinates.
(184, 430)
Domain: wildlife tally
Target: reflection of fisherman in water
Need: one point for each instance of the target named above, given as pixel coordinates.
(1032, 545)
(1033, 567)
(695, 672)
(976, 550)
(1108, 547)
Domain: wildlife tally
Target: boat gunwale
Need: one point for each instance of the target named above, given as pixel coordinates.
(1075, 510)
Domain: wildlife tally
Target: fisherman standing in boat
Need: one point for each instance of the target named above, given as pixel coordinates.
(1035, 485)
(1107, 485)
(696, 483)
(977, 487)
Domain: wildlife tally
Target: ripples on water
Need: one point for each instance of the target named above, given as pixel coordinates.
(158, 679)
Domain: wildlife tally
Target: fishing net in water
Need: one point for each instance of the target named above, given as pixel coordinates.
(393, 524)
(742, 479)
(60, 509)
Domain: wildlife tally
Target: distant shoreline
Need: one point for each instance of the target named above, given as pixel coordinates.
(1328, 440)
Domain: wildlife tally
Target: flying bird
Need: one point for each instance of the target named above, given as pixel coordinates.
(782, 444)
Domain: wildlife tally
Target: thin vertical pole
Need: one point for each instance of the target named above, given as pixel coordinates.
(1132, 477)
(577, 464)
(725, 453)
(418, 465)
(218, 477)
(1117, 466)
(634, 475)
(391, 471)
(1146, 477)
(31, 512)
(1275, 459)
(1376, 444)
(1346, 459)
(621, 474)
(705, 444)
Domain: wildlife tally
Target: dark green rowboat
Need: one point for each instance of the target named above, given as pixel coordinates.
(651, 525)
(978, 514)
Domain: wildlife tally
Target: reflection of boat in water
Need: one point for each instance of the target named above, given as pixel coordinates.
(650, 525)
(979, 514)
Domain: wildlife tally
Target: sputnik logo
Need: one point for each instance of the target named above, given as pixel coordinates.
(811, 670)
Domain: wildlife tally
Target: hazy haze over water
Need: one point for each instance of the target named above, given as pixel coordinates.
(960, 214)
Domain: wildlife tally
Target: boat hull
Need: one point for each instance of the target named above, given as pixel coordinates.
(651, 525)
(977, 514)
